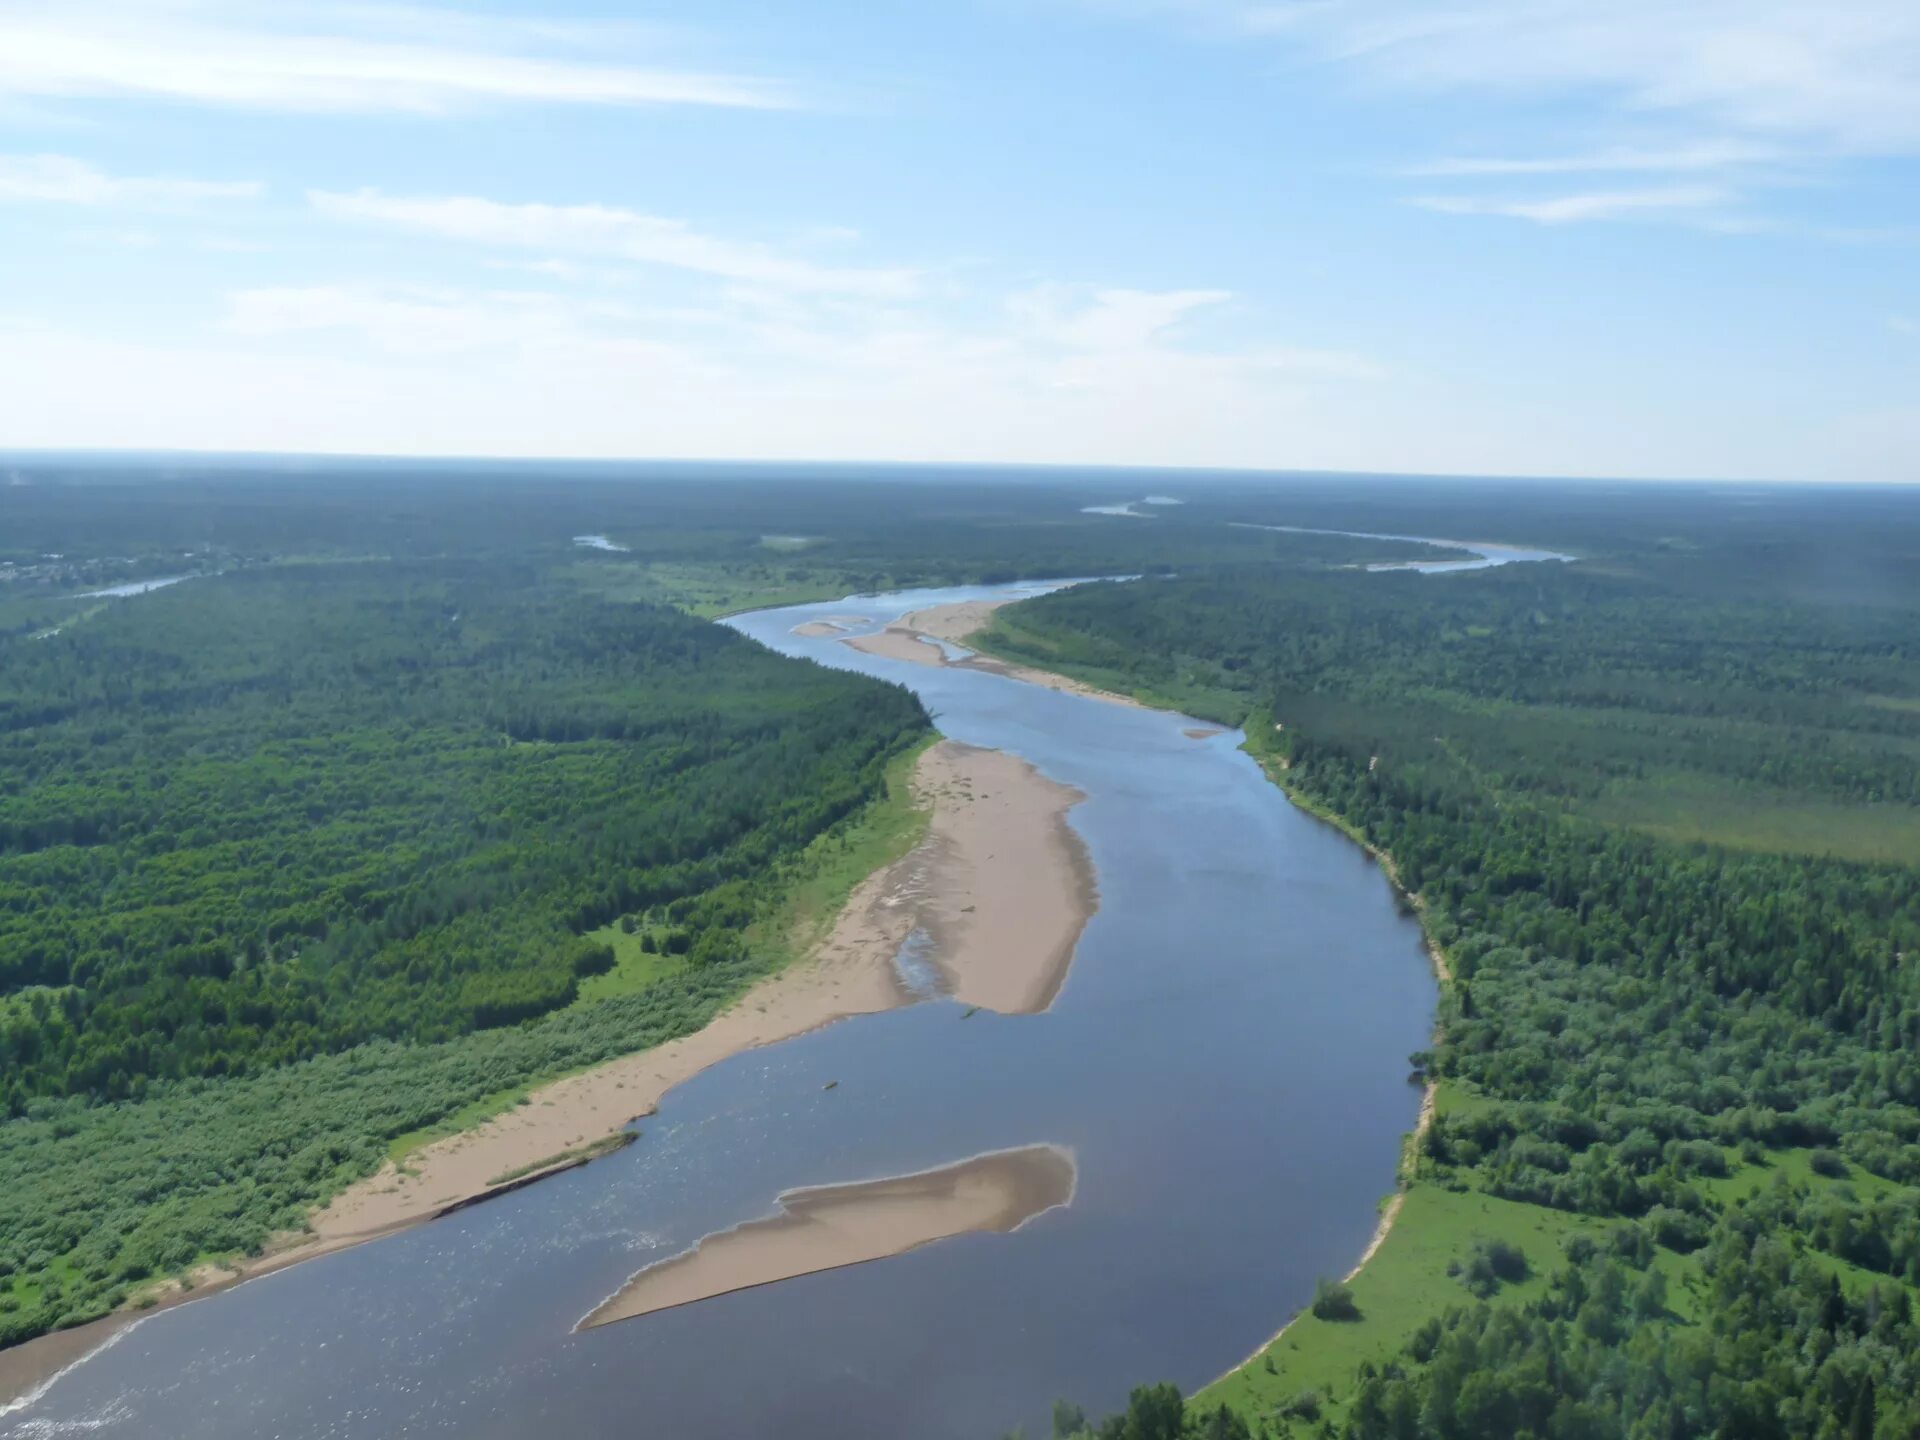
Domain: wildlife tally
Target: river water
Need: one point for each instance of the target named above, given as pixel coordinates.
(1227, 1060)
(1486, 554)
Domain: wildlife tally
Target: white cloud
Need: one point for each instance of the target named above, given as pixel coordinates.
(1086, 338)
(1596, 205)
(1060, 373)
(1705, 155)
(1843, 74)
(61, 179)
(1106, 319)
(1903, 325)
(607, 232)
(1727, 87)
(248, 53)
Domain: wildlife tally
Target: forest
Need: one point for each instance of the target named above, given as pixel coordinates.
(341, 802)
(308, 853)
(331, 843)
(1660, 818)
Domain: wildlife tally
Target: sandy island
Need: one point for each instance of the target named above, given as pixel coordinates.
(831, 1226)
(916, 638)
(829, 625)
(1001, 886)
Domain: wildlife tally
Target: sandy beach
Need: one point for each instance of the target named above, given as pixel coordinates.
(1001, 886)
(828, 1227)
(915, 638)
(828, 625)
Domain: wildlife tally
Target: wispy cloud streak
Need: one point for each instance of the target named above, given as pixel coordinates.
(344, 58)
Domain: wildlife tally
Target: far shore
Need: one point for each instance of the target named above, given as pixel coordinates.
(829, 1227)
(1001, 886)
(916, 638)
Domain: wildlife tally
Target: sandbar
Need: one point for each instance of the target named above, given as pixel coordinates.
(830, 1226)
(1001, 886)
(829, 625)
(916, 638)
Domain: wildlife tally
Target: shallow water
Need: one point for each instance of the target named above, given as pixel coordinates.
(1227, 1061)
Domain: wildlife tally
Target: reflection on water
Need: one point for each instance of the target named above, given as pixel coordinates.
(1226, 1061)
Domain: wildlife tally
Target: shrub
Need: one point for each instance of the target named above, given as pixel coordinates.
(1333, 1300)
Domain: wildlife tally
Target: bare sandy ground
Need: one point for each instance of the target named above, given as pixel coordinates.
(831, 1226)
(828, 625)
(1001, 885)
(912, 638)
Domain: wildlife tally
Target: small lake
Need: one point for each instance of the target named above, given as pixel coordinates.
(1227, 1061)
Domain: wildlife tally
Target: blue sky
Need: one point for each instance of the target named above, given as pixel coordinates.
(1596, 237)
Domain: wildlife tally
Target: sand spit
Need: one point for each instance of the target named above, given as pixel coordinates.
(831, 1226)
(998, 846)
(1011, 885)
(828, 625)
(916, 638)
(1001, 886)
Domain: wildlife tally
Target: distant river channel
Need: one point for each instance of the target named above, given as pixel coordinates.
(1227, 1061)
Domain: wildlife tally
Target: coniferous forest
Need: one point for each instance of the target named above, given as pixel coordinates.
(1658, 811)
(321, 847)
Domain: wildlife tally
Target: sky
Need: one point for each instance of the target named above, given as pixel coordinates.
(1659, 238)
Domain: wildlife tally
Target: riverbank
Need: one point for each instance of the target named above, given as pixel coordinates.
(918, 638)
(832, 1226)
(998, 882)
(955, 624)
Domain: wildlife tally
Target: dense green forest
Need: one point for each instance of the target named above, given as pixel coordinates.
(1661, 818)
(336, 802)
(318, 849)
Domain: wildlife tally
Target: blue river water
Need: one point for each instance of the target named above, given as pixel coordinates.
(1227, 1060)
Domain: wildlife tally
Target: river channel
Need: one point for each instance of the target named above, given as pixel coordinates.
(1227, 1063)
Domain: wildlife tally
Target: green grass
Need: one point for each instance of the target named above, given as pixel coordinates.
(1796, 1168)
(1406, 1282)
(1745, 816)
(634, 969)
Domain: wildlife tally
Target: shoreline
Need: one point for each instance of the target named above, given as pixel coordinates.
(883, 911)
(1275, 772)
(1002, 886)
(918, 638)
(832, 1227)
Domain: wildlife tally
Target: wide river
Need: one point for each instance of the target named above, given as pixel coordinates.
(1227, 1061)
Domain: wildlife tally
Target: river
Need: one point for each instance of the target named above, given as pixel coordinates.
(1487, 554)
(1227, 1061)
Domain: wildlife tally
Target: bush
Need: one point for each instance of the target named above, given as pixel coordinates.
(1828, 1163)
(1304, 1406)
(1333, 1300)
